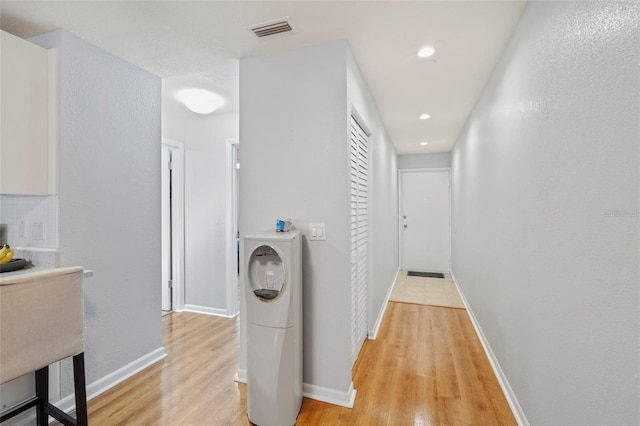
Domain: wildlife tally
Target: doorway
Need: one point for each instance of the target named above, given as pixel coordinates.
(172, 214)
(233, 233)
(425, 222)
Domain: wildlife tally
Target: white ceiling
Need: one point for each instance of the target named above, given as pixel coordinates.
(198, 44)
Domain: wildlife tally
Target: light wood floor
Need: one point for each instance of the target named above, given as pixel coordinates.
(427, 367)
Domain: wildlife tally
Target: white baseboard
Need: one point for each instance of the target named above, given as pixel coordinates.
(518, 413)
(331, 396)
(374, 333)
(241, 376)
(209, 311)
(68, 403)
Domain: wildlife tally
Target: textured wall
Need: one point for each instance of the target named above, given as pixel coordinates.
(545, 213)
(109, 199)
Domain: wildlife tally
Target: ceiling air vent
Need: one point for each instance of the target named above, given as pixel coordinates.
(271, 28)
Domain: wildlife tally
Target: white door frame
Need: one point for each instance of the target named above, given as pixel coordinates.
(165, 232)
(178, 249)
(400, 223)
(232, 228)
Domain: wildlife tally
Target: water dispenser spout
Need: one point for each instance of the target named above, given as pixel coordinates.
(270, 280)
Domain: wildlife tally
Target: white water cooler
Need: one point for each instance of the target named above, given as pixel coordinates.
(273, 295)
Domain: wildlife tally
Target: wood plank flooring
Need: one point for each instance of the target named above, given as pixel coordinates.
(193, 385)
(426, 367)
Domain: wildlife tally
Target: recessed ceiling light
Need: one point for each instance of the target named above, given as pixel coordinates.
(200, 101)
(425, 116)
(424, 143)
(426, 52)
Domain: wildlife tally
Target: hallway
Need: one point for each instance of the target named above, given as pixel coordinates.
(427, 366)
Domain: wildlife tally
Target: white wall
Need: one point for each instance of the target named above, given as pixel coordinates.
(424, 161)
(294, 127)
(545, 213)
(383, 194)
(109, 200)
(206, 189)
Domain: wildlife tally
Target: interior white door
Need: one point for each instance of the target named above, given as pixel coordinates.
(166, 228)
(425, 210)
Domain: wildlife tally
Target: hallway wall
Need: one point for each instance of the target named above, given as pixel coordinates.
(295, 111)
(545, 213)
(383, 196)
(293, 128)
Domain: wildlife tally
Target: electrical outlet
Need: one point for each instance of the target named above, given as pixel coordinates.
(37, 231)
(22, 229)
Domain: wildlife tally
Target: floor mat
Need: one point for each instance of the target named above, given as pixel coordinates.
(425, 274)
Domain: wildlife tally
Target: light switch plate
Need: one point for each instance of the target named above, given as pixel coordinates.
(317, 232)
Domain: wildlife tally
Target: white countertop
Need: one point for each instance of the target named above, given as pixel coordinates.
(33, 269)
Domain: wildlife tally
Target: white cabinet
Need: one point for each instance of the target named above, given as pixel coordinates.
(28, 123)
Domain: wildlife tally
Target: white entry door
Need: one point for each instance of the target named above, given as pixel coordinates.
(425, 220)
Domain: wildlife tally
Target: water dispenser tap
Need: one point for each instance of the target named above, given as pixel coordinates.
(270, 280)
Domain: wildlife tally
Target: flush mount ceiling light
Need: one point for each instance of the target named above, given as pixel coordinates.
(426, 52)
(425, 116)
(424, 143)
(200, 101)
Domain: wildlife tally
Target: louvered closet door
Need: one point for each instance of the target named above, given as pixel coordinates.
(359, 236)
